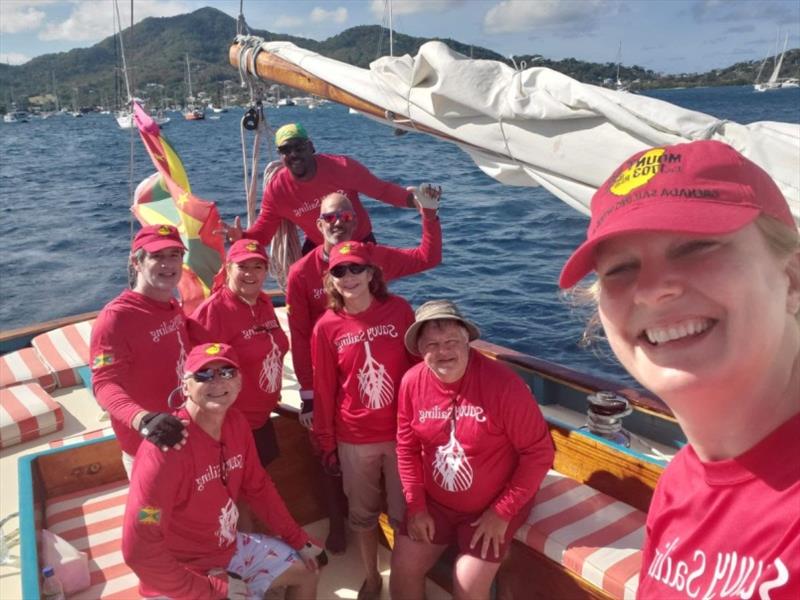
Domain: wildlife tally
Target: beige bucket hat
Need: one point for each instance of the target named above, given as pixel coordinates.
(434, 310)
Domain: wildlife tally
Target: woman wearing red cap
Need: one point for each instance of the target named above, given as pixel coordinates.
(359, 357)
(697, 259)
(239, 313)
(179, 531)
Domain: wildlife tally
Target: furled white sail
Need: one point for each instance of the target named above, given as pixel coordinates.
(537, 126)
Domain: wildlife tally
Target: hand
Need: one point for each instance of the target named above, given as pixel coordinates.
(427, 196)
(330, 463)
(232, 233)
(237, 588)
(307, 410)
(421, 527)
(164, 430)
(492, 528)
(313, 556)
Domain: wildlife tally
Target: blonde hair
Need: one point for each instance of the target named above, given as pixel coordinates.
(584, 296)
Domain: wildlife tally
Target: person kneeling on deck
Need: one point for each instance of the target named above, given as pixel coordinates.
(472, 450)
(139, 343)
(179, 532)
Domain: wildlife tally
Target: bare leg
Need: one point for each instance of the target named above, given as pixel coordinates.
(368, 549)
(410, 562)
(472, 578)
(300, 583)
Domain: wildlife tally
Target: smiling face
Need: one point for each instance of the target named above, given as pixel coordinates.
(215, 396)
(341, 229)
(298, 156)
(444, 346)
(354, 288)
(158, 273)
(699, 317)
(246, 278)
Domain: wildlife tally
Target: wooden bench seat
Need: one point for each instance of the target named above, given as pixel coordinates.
(92, 522)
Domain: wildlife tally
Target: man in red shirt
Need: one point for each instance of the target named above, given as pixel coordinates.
(179, 531)
(295, 193)
(139, 343)
(306, 302)
(472, 450)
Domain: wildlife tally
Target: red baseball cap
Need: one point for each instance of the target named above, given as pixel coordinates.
(357, 253)
(153, 238)
(245, 249)
(204, 354)
(704, 187)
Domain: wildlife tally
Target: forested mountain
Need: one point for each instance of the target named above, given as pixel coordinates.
(155, 50)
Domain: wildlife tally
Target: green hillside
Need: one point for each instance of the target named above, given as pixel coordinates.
(156, 49)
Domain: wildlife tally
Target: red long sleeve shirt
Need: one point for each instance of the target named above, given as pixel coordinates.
(259, 341)
(501, 447)
(137, 349)
(180, 518)
(728, 528)
(358, 363)
(286, 197)
(305, 296)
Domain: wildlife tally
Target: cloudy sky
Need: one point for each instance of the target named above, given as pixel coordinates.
(670, 36)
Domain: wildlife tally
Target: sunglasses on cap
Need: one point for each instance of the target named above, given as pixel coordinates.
(339, 270)
(287, 149)
(206, 375)
(345, 216)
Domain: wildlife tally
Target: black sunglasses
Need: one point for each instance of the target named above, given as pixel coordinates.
(287, 149)
(339, 270)
(206, 375)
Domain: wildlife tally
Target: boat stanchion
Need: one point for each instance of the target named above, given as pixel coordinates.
(604, 415)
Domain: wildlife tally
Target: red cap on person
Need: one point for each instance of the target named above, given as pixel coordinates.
(205, 354)
(245, 249)
(704, 188)
(153, 238)
(357, 253)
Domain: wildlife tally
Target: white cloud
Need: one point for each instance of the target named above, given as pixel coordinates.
(410, 7)
(14, 58)
(320, 15)
(19, 16)
(513, 16)
(286, 22)
(90, 21)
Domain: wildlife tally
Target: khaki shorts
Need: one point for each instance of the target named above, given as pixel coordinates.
(362, 465)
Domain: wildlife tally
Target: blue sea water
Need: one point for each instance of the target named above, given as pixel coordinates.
(65, 225)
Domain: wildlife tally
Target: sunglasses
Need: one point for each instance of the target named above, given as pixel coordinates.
(345, 216)
(339, 270)
(287, 149)
(206, 375)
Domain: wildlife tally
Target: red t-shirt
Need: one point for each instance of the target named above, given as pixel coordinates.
(259, 341)
(358, 363)
(496, 455)
(137, 350)
(306, 300)
(286, 197)
(180, 518)
(727, 529)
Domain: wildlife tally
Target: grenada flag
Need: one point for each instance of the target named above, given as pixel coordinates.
(166, 197)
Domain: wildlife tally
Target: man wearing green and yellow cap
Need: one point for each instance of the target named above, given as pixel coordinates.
(295, 193)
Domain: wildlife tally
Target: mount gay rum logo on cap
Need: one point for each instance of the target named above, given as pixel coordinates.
(639, 173)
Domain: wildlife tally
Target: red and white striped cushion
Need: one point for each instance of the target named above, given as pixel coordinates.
(92, 522)
(25, 366)
(82, 437)
(64, 349)
(26, 413)
(588, 532)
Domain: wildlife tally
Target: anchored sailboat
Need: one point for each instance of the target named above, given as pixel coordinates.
(192, 112)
